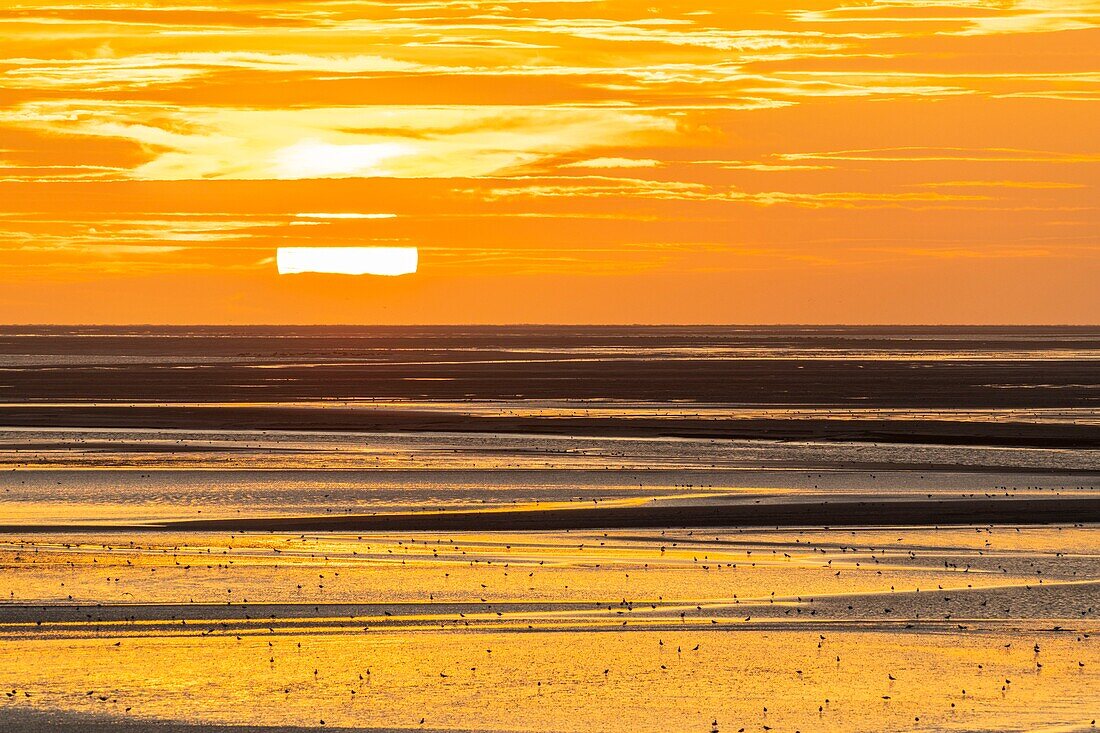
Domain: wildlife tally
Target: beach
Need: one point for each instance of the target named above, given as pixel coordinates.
(549, 529)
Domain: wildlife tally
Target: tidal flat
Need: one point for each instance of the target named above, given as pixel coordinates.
(387, 530)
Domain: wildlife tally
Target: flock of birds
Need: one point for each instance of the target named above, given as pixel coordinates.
(334, 560)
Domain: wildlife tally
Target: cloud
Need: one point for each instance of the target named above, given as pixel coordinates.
(613, 163)
(337, 142)
(596, 187)
(343, 215)
(926, 154)
(145, 69)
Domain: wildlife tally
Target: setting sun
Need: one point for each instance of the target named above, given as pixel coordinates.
(347, 260)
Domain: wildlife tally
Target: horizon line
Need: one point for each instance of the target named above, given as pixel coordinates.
(549, 324)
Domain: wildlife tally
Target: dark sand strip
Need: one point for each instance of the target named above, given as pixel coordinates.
(239, 614)
(941, 432)
(931, 512)
(31, 720)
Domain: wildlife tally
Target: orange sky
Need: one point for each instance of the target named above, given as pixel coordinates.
(631, 161)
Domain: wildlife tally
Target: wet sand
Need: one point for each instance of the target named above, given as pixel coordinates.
(100, 377)
(644, 631)
(537, 684)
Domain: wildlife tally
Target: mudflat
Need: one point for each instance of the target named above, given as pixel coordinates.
(263, 530)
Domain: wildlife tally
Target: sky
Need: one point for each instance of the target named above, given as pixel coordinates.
(633, 161)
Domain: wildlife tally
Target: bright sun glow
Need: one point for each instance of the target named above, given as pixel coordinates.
(314, 159)
(347, 260)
